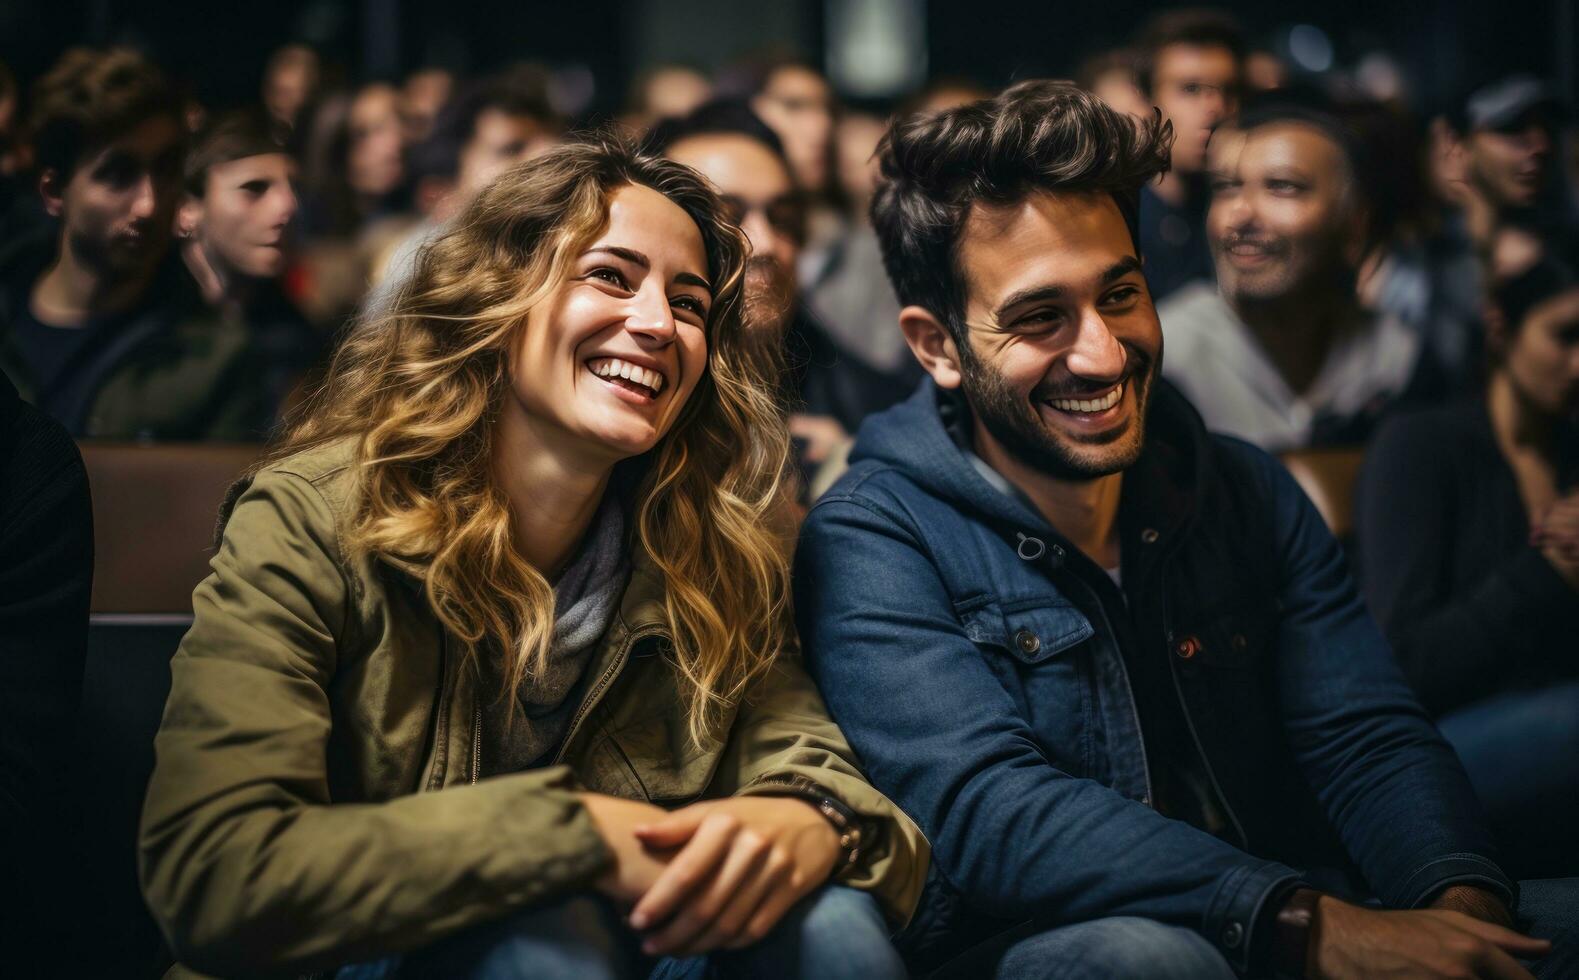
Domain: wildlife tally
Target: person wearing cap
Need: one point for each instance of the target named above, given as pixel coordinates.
(1468, 519)
(1507, 137)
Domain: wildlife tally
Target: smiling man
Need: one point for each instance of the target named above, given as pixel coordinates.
(1111, 664)
(1280, 351)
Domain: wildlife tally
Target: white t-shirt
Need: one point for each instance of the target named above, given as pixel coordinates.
(1211, 356)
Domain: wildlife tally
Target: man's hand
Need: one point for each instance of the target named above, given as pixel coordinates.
(1354, 942)
(1557, 535)
(636, 867)
(1477, 903)
(743, 862)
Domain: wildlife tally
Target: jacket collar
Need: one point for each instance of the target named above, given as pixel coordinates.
(641, 606)
(1164, 490)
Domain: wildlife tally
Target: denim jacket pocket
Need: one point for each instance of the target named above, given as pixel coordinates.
(1029, 633)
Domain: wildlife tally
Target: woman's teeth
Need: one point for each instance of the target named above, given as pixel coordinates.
(1088, 404)
(613, 367)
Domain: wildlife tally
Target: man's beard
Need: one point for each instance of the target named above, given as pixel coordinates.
(1015, 423)
(117, 262)
(769, 295)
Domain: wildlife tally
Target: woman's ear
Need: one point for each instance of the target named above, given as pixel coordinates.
(1496, 323)
(188, 217)
(53, 190)
(932, 344)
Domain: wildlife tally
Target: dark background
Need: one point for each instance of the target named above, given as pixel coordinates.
(218, 48)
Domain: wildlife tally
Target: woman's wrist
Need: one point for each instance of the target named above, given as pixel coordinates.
(848, 827)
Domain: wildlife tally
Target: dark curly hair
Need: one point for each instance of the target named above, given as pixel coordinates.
(1037, 135)
(90, 99)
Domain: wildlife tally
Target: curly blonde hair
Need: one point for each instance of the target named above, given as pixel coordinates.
(420, 387)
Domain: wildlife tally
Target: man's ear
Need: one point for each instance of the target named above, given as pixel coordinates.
(52, 188)
(932, 344)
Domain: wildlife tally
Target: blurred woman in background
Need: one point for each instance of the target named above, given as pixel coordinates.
(1468, 519)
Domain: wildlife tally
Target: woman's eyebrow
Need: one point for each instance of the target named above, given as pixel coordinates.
(637, 258)
(692, 279)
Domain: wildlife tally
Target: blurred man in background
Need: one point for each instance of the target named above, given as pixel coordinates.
(797, 103)
(96, 324)
(1189, 67)
(290, 81)
(829, 390)
(422, 97)
(666, 91)
(1279, 352)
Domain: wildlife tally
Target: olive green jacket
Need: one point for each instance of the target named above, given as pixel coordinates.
(315, 799)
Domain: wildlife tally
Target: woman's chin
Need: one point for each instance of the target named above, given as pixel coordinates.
(624, 441)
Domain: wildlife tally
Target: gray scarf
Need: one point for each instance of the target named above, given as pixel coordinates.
(586, 599)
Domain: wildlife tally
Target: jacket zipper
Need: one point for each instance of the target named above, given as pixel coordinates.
(441, 732)
(1189, 722)
(600, 688)
(476, 737)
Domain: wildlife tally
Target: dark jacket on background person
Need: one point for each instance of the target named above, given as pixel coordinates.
(966, 652)
(317, 799)
(289, 351)
(1444, 557)
(1173, 239)
(46, 574)
(825, 379)
(168, 369)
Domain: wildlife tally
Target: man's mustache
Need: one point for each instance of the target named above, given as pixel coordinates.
(1136, 364)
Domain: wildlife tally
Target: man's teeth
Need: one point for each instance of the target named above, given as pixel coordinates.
(1088, 404)
(613, 367)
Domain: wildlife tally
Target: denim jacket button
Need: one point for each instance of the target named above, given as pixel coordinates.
(1149, 535)
(1233, 935)
(1187, 648)
(1027, 641)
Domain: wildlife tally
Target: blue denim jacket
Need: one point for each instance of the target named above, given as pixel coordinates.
(985, 694)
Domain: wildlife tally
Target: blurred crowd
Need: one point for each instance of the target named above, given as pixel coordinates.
(1331, 269)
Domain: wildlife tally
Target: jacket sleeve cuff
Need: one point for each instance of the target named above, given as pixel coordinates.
(1454, 869)
(1239, 911)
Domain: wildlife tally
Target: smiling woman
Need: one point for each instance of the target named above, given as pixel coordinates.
(523, 547)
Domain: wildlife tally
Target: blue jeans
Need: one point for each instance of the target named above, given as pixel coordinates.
(1119, 947)
(1520, 750)
(835, 933)
(1141, 948)
(1550, 910)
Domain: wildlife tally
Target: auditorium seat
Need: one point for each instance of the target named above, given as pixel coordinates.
(1328, 477)
(154, 510)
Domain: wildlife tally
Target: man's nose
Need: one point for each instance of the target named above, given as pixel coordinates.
(759, 232)
(1235, 213)
(1537, 141)
(145, 199)
(1096, 355)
